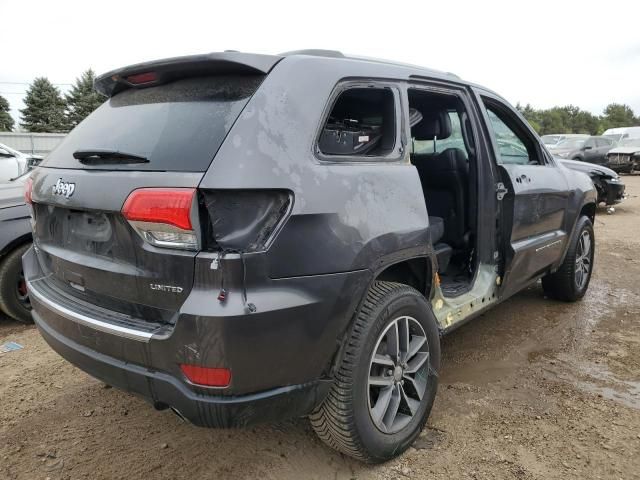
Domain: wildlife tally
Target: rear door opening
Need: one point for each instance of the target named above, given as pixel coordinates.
(443, 152)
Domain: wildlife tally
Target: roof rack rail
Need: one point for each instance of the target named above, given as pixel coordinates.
(315, 52)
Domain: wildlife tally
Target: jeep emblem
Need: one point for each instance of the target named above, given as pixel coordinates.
(65, 189)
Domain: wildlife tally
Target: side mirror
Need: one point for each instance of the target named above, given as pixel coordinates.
(6, 155)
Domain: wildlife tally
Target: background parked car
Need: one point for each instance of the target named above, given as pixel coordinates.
(625, 157)
(15, 239)
(552, 140)
(607, 182)
(14, 163)
(591, 149)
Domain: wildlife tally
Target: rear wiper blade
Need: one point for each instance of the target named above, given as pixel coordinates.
(107, 156)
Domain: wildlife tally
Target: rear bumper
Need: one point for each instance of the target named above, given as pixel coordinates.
(164, 390)
(279, 356)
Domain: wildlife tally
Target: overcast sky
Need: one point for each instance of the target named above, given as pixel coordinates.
(538, 52)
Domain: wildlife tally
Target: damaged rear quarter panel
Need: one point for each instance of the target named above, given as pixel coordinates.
(345, 216)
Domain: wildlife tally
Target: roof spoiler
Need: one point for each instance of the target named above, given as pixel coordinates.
(161, 71)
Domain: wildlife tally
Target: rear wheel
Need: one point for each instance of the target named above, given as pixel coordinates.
(386, 383)
(14, 298)
(572, 279)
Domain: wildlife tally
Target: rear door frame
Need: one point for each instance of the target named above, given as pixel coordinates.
(486, 174)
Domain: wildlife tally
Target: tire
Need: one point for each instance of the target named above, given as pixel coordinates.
(345, 420)
(14, 299)
(566, 284)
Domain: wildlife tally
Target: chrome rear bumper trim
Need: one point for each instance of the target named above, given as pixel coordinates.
(88, 321)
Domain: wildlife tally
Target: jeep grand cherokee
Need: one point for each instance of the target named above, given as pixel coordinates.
(245, 237)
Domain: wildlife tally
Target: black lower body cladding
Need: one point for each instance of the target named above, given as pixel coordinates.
(279, 356)
(164, 390)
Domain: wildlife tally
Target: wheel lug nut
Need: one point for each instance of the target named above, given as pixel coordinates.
(389, 372)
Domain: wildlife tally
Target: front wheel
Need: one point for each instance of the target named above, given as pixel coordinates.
(572, 279)
(386, 382)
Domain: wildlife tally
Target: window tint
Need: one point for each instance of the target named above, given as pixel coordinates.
(361, 123)
(177, 126)
(513, 145)
(591, 142)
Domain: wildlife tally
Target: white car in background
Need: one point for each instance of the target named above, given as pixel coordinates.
(14, 163)
(622, 133)
(625, 158)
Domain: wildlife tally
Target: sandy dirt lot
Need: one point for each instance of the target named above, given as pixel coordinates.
(533, 389)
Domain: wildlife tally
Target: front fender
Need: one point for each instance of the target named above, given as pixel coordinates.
(582, 197)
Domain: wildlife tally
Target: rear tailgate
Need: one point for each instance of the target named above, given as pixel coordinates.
(161, 136)
(91, 251)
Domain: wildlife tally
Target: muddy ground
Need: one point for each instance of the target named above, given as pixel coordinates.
(533, 389)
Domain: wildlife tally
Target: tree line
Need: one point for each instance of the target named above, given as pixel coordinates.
(571, 119)
(47, 110)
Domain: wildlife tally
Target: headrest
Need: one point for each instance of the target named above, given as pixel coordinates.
(433, 124)
(415, 117)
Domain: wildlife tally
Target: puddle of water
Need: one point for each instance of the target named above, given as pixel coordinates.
(601, 381)
(524, 329)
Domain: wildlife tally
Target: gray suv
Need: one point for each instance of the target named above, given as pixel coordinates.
(244, 238)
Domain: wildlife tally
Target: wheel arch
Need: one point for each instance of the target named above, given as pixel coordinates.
(404, 270)
(588, 210)
(14, 244)
(416, 272)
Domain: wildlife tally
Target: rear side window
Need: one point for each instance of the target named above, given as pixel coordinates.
(591, 142)
(177, 126)
(362, 123)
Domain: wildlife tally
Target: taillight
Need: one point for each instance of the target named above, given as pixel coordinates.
(28, 189)
(243, 220)
(162, 216)
(206, 376)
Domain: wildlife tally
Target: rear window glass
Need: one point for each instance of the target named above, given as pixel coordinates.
(178, 126)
